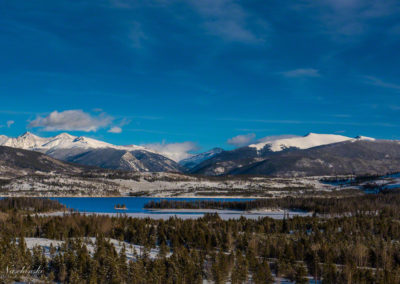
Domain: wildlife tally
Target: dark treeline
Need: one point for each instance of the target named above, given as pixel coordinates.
(355, 180)
(358, 249)
(385, 201)
(36, 205)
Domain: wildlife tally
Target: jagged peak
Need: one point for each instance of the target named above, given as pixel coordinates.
(28, 134)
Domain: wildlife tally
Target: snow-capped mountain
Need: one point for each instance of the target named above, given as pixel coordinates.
(29, 141)
(244, 157)
(276, 144)
(193, 161)
(92, 152)
(311, 154)
(356, 157)
(302, 142)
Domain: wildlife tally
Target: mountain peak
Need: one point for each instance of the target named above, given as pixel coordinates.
(64, 135)
(312, 134)
(28, 134)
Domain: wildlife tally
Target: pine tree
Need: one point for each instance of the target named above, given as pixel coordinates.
(300, 274)
(262, 274)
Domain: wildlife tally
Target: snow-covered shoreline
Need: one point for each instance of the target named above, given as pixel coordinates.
(184, 214)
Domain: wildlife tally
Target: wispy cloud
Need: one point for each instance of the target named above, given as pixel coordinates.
(371, 80)
(229, 20)
(301, 72)
(72, 120)
(341, 115)
(349, 18)
(137, 35)
(146, 131)
(9, 123)
(255, 129)
(174, 151)
(12, 112)
(311, 122)
(241, 140)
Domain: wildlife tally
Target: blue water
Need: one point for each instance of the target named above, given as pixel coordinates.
(133, 204)
(339, 182)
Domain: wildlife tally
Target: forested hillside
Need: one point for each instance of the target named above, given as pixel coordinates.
(363, 248)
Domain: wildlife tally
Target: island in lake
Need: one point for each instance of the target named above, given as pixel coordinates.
(120, 207)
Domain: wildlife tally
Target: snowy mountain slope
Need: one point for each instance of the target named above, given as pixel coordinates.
(231, 161)
(301, 142)
(357, 157)
(29, 141)
(16, 162)
(92, 152)
(193, 161)
(3, 139)
(137, 160)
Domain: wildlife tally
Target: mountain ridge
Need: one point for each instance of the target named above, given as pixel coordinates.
(274, 155)
(83, 150)
(194, 160)
(230, 162)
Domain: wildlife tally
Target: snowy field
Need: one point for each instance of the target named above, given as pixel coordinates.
(132, 251)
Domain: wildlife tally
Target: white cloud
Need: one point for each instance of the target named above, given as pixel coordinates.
(73, 120)
(301, 72)
(174, 151)
(115, 129)
(9, 123)
(241, 140)
(118, 127)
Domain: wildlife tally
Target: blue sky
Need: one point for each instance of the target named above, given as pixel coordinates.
(199, 71)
